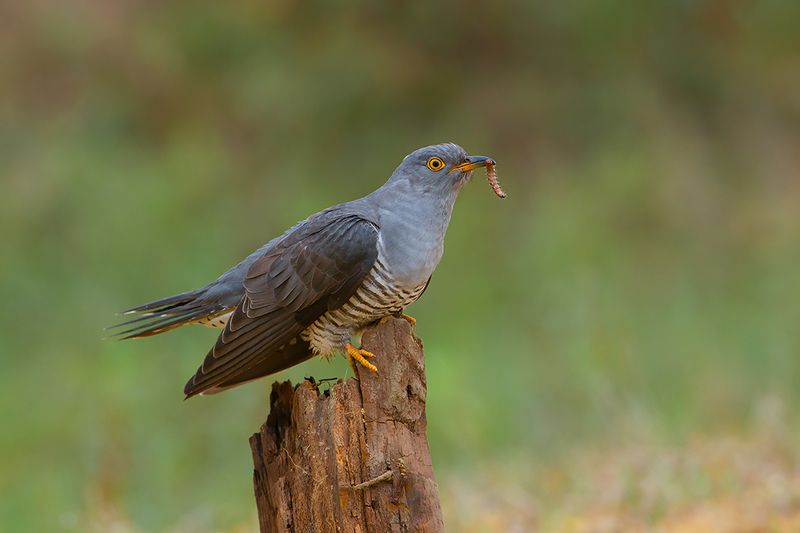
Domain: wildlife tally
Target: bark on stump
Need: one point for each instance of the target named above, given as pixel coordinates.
(354, 458)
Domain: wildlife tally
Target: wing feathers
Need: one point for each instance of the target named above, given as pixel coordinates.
(215, 371)
(293, 353)
(316, 267)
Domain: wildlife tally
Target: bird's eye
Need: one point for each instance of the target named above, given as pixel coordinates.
(435, 163)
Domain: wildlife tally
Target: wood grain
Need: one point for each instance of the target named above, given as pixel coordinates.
(355, 457)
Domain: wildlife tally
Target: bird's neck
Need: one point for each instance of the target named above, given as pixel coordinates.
(431, 208)
(413, 224)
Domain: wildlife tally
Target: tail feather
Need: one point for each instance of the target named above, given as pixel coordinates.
(166, 314)
(141, 318)
(165, 304)
(161, 323)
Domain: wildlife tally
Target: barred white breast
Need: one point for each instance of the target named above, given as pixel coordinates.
(377, 297)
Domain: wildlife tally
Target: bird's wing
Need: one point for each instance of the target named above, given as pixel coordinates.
(314, 269)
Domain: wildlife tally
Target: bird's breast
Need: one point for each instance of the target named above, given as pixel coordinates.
(411, 246)
(378, 295)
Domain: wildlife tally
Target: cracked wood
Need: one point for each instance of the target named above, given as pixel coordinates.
(355, 457)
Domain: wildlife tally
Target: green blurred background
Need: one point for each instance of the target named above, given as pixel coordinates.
(640, 284)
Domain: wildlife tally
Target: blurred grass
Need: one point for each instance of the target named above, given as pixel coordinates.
(640, 283)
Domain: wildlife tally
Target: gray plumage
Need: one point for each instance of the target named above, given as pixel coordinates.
(311, 289)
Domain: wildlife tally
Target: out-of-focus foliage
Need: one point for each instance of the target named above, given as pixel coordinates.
(641, 281)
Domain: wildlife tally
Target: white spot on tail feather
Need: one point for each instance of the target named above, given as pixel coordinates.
(217, 321)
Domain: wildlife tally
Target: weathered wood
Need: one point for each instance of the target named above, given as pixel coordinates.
(354, 458)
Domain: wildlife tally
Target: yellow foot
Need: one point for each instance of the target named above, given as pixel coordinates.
(357, 355)
(408, 318)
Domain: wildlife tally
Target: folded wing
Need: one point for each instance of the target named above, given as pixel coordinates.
(314, 269)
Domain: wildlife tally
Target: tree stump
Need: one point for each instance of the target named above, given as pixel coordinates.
(355, 457)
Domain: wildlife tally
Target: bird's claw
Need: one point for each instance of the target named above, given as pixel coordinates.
(408, 318)
(360, 356)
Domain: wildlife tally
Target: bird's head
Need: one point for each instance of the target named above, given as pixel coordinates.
(445, 167)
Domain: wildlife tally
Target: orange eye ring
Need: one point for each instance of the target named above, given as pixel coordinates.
(435, 163)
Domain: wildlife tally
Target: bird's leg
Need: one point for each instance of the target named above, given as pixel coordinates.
(408, 318)
(358, 355)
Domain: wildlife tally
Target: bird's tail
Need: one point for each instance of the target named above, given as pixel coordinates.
(168, 313)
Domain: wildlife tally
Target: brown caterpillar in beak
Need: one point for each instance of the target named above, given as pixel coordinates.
(492, 177)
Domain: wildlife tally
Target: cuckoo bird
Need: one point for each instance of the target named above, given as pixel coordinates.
(315, 287)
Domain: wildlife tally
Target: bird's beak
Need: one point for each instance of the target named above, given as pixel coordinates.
(473, 162)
